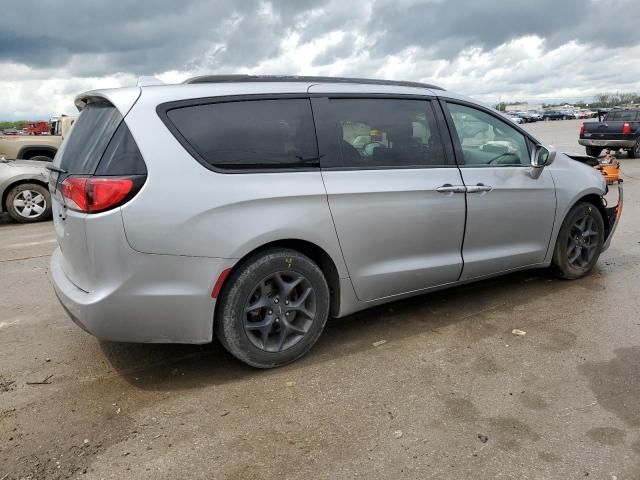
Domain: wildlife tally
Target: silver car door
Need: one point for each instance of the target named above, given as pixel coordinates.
(397, 203)
(510, 214)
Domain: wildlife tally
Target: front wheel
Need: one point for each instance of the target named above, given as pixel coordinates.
(28, 203)
(273, 308)
(579, 242)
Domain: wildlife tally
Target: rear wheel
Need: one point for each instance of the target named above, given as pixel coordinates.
(635, 151)
(273, 308)
(579, 242)
(28, 203)
(594, 151)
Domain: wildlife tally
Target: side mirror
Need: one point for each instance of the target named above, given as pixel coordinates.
(542, 157)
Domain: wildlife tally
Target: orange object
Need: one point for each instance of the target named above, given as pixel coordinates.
(610, 171)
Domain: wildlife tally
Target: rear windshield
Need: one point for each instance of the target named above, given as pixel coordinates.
(89, 138)
(623, 115)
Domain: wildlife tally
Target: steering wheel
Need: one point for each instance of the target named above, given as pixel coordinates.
(505, 154)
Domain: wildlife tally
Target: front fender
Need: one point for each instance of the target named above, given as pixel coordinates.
(574, 181)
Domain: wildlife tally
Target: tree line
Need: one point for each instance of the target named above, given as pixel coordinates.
(600, 100)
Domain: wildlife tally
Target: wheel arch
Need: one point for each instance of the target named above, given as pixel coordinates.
(12, 185)
(29, 151)
(311, 250)
(595, 200)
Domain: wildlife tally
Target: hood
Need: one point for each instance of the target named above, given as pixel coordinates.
(25, 163)
(582, 158)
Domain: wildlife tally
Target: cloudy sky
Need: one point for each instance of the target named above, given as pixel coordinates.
(51, 50)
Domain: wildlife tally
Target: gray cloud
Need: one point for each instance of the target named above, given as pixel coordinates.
(78, 43)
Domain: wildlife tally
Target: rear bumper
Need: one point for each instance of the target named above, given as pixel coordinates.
(590, 142)
(162, 299)
(613, 217)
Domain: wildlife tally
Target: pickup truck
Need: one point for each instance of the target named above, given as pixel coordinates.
(618, 129)
(36, 147)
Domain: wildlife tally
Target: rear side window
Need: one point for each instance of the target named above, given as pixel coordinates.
(255, 134)
(385, 133)
(89, 138)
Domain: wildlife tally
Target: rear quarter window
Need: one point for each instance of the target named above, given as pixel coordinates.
(252, 134)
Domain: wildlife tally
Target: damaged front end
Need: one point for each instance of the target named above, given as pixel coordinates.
(611, 213)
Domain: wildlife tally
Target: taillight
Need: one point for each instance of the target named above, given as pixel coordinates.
(582, 129)
(97, 194)
(626, 128)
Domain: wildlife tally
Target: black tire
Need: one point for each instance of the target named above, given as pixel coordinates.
(250, 310)
(42, 158)
(635, 151)
(594, 151)
(571, 243)
(28, 194)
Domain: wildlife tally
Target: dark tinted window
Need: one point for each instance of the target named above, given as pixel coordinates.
(622, 115)
(89, 138)
(250, 134)
(122, 156)
(385, 133)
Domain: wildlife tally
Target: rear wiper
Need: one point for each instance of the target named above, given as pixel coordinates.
(53, 168)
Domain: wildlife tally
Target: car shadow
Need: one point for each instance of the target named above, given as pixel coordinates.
(170, 367)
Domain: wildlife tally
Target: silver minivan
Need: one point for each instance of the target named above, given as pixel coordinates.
(257, 207)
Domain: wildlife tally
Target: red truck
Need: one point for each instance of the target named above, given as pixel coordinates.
(37, 128)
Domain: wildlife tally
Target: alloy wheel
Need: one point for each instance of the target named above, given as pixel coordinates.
(582, 243)
(29, 204)
(280, 311)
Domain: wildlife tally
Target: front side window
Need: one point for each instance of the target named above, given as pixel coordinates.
(254, 134)
(387, 133)
(486, 140)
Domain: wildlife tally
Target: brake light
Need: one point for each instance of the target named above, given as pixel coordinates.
(626, 128)
(95, 194)
(582, 129)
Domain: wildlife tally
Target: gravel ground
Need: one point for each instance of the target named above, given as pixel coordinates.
(450, 394)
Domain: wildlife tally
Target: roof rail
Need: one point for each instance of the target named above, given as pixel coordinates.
(295, 78)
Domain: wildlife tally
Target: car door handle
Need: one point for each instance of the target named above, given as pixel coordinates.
(448, 188)
(479, 188)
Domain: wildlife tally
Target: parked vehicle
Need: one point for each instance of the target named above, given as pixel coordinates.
(23, 190)
(536, 115)
(526, 116)
(37, 128)
(554, 115)
(40, 147)
(618, 129)
(239, 205)
(515, 118)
